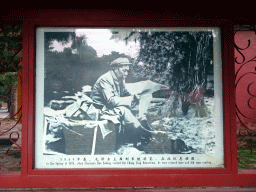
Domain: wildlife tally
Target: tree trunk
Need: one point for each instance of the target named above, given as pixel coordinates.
(192, 105)
(13, 106)
(172, 106)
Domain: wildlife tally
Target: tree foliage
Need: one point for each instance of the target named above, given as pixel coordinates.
(66, 72)
(63, 38)
(10, 47)
(10, 57)
(180, 60)
(7, 80)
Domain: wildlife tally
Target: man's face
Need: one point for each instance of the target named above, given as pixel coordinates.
(122, 71)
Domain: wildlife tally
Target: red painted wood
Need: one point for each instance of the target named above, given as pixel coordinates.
(29, 177)
(25, 99)
(245, 70)
(175, 180)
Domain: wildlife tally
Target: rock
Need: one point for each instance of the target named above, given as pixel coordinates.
(129, 150)
(156, 124)
(160, 144)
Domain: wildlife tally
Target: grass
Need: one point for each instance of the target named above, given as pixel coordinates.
(245, 156)
(247, 153)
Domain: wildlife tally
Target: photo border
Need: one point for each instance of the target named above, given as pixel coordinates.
(217, 66)
(135, 177)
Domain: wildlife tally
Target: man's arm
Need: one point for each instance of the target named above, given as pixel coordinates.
(111, 98)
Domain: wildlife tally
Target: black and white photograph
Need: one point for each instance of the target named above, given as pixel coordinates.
(128, 98)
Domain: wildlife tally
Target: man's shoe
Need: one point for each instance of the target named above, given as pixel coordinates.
(145, 124)
(146, 131)
(145, 135)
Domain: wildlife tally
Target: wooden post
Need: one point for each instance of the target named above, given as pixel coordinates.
(13, 107)
(19, 94)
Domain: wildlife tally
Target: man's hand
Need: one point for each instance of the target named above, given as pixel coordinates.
(135, 101)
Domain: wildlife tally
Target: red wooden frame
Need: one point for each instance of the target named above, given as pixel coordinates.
(38, 178)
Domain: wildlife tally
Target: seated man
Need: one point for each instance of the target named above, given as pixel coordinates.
(109, 92)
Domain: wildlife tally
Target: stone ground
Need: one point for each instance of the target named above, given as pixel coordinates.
(14, 156)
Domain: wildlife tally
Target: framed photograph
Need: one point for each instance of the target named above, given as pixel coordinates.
(128, 98)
